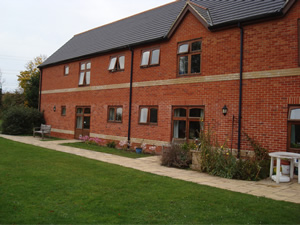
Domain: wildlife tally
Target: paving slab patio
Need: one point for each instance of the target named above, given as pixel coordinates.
(289, 192)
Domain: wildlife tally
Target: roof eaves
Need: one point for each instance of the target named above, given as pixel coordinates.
(100, 53)
(207, 11)
(254, 19)
(248, 20)
(177, 19)
(208, 14)
(186, 8)
(287, 6)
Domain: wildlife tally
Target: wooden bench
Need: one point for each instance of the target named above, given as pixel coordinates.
(44, 129)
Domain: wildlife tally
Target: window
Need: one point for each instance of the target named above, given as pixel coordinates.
(187, 122)
(63, 110)
(294, 129)
(189, 57)
(117, 63)
(115, 113)
(85, 73)
(67, 70)
(150, 58)
(148, 115)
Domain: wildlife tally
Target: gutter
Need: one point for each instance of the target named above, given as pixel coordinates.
(241, 88)
(40, 95)
(130, 97)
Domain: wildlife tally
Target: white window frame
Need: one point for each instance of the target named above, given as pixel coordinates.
(85, 73)
(116, 63)
(148, 57)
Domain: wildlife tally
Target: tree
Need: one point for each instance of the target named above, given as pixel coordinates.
(12, 99)
(0, 89)
(31, 92)
(29, 81)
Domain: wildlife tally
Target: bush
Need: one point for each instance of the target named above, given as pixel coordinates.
(111, 144)
(178, 156)
(219, 162)
(21, 120)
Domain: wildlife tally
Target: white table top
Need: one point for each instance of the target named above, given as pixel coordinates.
(287, 155)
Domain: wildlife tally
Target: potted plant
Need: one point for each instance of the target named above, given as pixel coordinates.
(139, 148)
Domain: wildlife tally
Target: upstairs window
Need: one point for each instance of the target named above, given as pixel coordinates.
(189, 58)
(115, 114)
(117, 63)
(67, 70)
(85, 73)
(150, 58)
(148, 115)
(294, 129)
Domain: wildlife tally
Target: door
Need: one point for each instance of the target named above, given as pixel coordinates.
(83, 120)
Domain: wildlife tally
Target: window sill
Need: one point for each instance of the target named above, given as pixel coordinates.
(149, 124)
(189, 75)
(148, 66)
(294, 150)
(114, 121)
(115, 71)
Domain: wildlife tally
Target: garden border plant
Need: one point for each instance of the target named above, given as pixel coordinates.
(219, 161)
(110, 147)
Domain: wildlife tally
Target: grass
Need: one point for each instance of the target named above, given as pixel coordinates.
(113, 151)
(40, 186)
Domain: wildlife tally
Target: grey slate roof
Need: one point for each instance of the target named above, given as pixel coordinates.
(155, 24)
(225, 11)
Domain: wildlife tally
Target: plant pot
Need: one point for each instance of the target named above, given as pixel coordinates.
(138, 150)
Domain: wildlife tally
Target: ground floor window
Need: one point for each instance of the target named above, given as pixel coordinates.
(115, 114)
(63, 110)
(294, 129)
(148, 115)
(187, 122)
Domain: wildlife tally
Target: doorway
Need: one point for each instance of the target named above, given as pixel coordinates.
(83, 121)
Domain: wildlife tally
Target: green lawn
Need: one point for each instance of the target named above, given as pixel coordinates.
(40, 186)
(113, 151)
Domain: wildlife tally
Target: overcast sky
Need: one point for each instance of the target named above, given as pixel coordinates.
(29, 28)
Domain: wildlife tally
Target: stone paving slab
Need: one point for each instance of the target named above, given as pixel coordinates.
(289, 192)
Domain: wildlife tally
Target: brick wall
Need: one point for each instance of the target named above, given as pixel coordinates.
(269, 46)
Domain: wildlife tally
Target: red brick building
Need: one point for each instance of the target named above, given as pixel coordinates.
(155, 76)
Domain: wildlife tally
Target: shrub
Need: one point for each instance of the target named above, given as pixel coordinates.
(219, 162)
(111, 144)
(178, 156)
(21, 120)
(91, 140)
